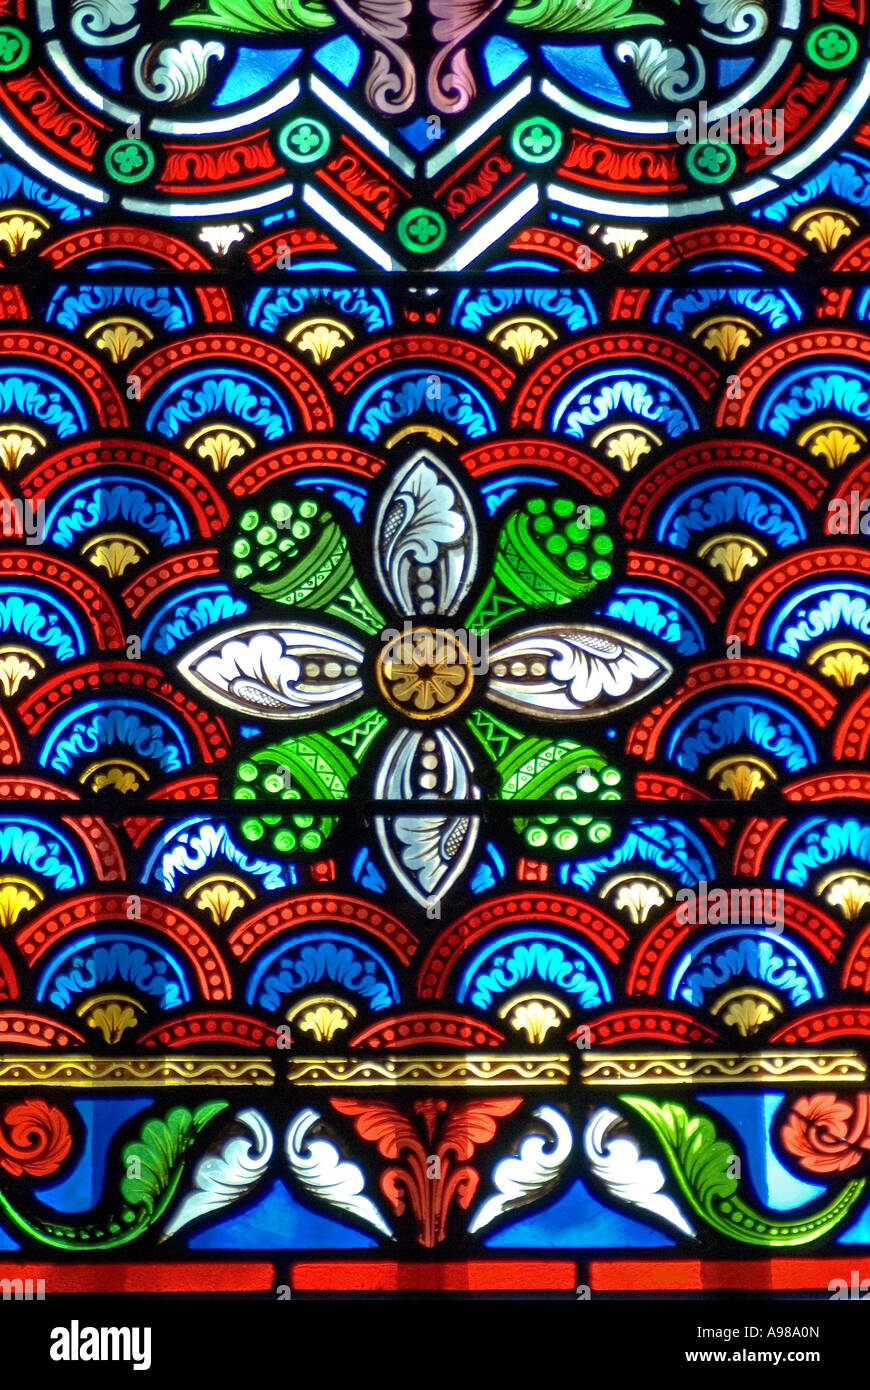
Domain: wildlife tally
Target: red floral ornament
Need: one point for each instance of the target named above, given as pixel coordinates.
(35, 1138)
(828, 1133)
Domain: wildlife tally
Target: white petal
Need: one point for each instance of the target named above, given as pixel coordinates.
(565, 669)
(267, 671)
(427, 853)
(425, 539)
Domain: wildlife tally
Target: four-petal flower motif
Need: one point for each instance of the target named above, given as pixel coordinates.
(426, 548)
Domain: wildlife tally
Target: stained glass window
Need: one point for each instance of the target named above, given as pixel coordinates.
(434, 645)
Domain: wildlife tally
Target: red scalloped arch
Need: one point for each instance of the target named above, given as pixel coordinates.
(314, 408)
(195, 1030)
(89, 910)
(828, 786)
(320, 909)
(428, 1030)
(94, 604)
(90, 374)
(209, 732)
(10, 752)
(647, 1025)
(793, 686)
(553, 909)
(852, 735)
(837, 1021)
(668, 935)
(690, 581)
(295, 458)
(546, 378)
(751, 608)
(545, 241)
(303, 241)
(543, 453)
(198, 496)
(213, 299)
(183, 567)
(801, 478)
(673, 251)
(90, 240)
(763, 365)
(416, 347)
(34, 1030)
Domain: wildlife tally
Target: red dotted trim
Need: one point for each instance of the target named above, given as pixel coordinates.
(137, 827)
(173, 250)
(852, 737)
(196, 1029)
(103, 849)
(195, 491)
(856, 255)
(557, 245)
(388, 351)
(628, 303)
(655, 786)
(653, 1025)
(235, 347)
(215, 304)
(856, 970)
(303, 240)
(824, 1024)
(823, 787)
(109, 408)
(421, 1030)
(210, 733)
(13, 305)
(535, 394)
(196, 788)
(675, 250)
(152, 582)
(754, 842)
(833, 303)
(8, 982)
(10, 753)
(97, 609)
(32, 789)
(686, 578)
(556, 911)
(32, 1030)
(668, 935)
(801, 478)
(644, 736)
(750, 609)
(856, 480)
(490, 458)
(46, 930)
(294, 458)
(756, 370)
(321, 910)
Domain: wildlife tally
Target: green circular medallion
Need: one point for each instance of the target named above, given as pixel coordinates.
(711, 162)
(129, 161)
(304, 140)
(14, 48)
(831, 45)
(421, 229)
(536, 140)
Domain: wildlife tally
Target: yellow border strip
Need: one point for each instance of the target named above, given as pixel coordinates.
(721, 1068)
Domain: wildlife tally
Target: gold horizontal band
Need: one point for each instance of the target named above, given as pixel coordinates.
(398, 1069)
(179, 1070)
(720, 1068)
